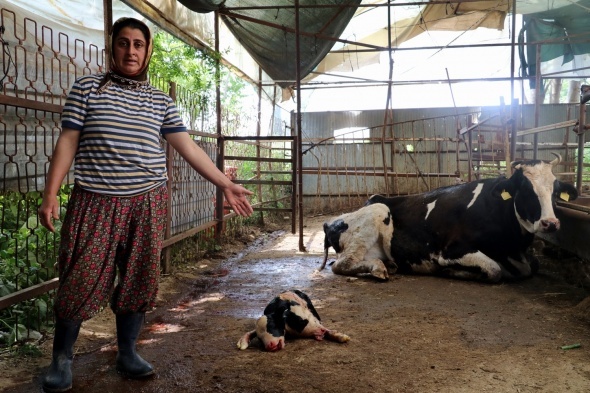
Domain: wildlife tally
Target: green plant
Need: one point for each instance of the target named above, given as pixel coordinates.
(194, 71)
(28, 254)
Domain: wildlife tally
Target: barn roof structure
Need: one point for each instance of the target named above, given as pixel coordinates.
(268, 32)
(337, 38)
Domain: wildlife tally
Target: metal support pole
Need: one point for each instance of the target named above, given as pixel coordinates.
(221, 148)
(469, 148)
(258, 130)
(584, 96)
(299, 133)
(538, 99)
(170, 172)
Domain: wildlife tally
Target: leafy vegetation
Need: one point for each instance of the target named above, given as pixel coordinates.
(194, 71)
(28, 254)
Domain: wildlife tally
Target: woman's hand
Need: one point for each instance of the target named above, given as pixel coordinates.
(59, 165)
(235, 195)
(49, 210)
(196, 157)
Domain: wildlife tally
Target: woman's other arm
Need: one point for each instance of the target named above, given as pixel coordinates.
(200, 161)
(61, 161)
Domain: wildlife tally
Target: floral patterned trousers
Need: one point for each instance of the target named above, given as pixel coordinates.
(105, 235)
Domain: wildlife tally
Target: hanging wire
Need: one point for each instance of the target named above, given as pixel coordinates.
(6, 52)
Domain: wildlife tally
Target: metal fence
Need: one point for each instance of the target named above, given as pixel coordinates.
(39, 66)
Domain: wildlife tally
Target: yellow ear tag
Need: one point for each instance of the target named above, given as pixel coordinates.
(565, 196)
(505, 195)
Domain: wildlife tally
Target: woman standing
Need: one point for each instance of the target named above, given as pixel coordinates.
(112, 126)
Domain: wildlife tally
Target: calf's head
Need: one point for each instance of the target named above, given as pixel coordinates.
(534, 189)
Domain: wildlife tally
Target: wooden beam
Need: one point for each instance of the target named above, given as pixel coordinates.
(30, 104)
(28, 293)
(550, 127)
(261, 159)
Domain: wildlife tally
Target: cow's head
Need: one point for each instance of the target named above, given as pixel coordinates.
(535, 189)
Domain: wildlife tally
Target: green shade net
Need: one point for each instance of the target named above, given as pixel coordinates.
(268, 34)
(566, 26)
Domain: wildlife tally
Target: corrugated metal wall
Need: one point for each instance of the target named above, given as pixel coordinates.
(420, 149)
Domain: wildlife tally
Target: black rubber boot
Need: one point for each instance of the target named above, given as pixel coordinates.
(129, 363)
(59, 376)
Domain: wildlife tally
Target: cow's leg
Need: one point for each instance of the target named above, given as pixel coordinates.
(518, 268)
(383, 247)
(349, 264)
(347, 267)
(471, 266)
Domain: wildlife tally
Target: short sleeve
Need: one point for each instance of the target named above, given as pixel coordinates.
(172, 122)
(76, 106)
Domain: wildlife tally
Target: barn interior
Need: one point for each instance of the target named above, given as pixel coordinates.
(349, 98)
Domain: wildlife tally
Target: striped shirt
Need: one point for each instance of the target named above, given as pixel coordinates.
(120, 150)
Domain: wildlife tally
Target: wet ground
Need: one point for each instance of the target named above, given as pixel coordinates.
(410, 334)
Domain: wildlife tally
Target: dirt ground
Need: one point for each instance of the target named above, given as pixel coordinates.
(410, 334)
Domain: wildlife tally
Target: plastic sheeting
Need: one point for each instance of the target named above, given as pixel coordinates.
(83, 21)
(198, 29)
(269, 33)
(408, 21)
(368, 28)
(567, 27)
(273, 48)
(263, 33)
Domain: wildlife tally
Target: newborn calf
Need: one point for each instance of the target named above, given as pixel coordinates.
(289, 313)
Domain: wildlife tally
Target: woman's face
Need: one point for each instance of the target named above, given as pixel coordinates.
(129, 51)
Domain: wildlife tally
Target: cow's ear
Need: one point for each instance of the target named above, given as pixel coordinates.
(376, 198)
(504, 189)
(565, 191)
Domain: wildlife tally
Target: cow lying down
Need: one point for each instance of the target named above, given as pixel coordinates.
(480, 230)
(289, 314)
(362, 240)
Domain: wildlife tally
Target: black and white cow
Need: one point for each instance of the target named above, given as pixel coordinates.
(362, 240)
(478, 230)
(290, 313)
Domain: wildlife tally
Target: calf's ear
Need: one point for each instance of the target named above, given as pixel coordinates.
(308, 303)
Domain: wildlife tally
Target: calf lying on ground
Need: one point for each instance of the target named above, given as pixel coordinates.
(363, 241)
(290, 313)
